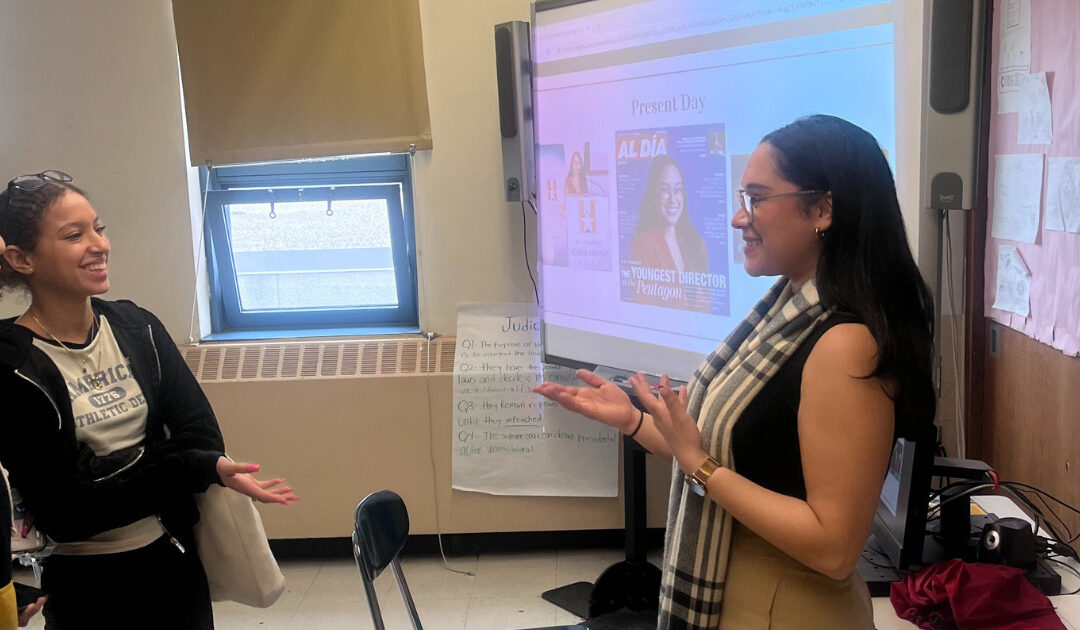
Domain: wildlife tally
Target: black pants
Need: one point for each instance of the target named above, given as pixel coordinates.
(152, 587)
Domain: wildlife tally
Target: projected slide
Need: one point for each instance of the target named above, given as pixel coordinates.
(646, 113)
(672, 240)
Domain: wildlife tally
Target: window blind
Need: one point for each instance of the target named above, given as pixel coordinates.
(268, 80)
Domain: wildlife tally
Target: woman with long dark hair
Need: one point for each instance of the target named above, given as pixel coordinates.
(106, 432)
(665, 239)
(782, 440)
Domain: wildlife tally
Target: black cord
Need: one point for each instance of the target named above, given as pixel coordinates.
(972, 487)
(963, 483)
(525, 238)
(532, 205)
(1049, 519)
(1014, 488)
(1025, 486)
(1056, 548)
(1049, 508)
(1029, 488)
(1036, 513)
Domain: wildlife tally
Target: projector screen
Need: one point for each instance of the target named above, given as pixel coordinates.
(646, 113)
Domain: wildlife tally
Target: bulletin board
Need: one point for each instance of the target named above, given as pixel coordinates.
(1032, 265)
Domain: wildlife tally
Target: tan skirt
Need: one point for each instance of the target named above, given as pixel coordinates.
(766, 589)
(8, 615)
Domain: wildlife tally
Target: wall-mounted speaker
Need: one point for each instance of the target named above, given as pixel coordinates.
(950, 55)
(513, 72)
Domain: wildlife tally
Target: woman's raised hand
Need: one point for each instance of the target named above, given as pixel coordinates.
(237, 476)
(600, 400)
(668, 410)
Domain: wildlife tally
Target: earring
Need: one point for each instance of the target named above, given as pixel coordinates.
(820, 234)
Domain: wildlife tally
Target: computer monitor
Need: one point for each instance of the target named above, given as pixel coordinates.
(900, 521)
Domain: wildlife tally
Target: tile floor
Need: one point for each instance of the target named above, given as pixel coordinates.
(503, 594)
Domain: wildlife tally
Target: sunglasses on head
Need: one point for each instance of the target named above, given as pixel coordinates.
(37, 180)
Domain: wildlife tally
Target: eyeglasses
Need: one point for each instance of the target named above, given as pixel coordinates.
(37, 180)
(748, 202)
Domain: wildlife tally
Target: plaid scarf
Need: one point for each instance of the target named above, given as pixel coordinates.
(698, 530)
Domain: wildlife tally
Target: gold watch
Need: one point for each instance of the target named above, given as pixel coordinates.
(701, 476)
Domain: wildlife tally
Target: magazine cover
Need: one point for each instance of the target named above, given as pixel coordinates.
(552, 211)
(590, 233)
(673, 214)
(575, 220)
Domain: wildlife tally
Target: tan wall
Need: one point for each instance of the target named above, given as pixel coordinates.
(338, 440)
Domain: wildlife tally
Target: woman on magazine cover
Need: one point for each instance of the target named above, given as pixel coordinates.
(666, 240)
(106, 432)
(576, 184)
(782, 440)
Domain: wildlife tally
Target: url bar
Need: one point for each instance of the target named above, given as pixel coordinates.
(636, 26)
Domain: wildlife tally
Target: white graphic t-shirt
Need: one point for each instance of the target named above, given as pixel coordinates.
(110, 414)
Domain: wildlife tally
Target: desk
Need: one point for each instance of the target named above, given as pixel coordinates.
(1068, 606)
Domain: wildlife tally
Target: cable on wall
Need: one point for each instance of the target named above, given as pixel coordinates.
(431, 454)
(961, 435)
(525, 238)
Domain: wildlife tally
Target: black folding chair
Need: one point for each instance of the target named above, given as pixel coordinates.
(382, 527)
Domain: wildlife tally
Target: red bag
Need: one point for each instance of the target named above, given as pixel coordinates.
(964, 596)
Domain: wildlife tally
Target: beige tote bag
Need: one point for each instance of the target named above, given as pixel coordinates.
(234, 551)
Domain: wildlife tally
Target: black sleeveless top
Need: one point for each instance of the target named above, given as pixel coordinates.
(765, 440)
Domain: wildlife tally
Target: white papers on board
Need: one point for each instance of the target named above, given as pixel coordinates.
(1063, 194)
(1034, 122)
(1013, 282)
(1014, 54)
(505, 438)
(1017, 196)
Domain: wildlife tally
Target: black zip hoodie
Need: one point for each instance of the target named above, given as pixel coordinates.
(39, 449)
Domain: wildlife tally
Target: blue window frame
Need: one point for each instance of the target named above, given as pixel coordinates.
(311, 244)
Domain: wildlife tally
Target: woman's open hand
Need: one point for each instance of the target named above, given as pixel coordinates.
(31, 609)
(599, 400)
(237, 476)
(668, 410)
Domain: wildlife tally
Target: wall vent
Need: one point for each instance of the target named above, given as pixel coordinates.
(219, 363)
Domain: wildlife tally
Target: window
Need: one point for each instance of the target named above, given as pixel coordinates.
(312, 244)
